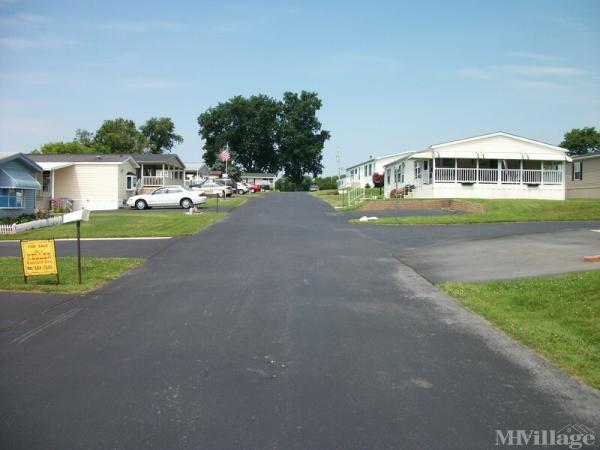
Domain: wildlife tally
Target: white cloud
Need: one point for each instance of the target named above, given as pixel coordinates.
(141, 26)
(22, 20)
(14, 43)
(543, 71)
(540, 85)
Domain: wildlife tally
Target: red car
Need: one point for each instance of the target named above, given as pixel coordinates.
(253, 187)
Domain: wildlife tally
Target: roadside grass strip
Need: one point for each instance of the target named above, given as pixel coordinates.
(95, 272)
(506, 211)
(556, 316)
(115, 224)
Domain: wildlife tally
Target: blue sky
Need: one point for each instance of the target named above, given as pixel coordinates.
(392, 75)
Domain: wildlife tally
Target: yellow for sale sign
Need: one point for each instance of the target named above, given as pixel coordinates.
(39, 257)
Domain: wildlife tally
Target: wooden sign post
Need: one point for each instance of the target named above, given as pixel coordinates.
(83, 215)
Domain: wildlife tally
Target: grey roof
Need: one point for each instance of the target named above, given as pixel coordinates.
(258, 175)
(585, 156)
(78, 157)
(9, 156)
(172, 159)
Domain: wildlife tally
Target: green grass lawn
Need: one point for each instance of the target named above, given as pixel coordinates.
(95, 272)
(127, 224)
(330, 196)
(508, 211)
(229, 203)
(558, 316)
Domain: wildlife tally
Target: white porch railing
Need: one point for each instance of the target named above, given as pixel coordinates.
(354, 195)
(553, 177)
(154, 181)
(445, 175)
(468, 175)
(490, 176)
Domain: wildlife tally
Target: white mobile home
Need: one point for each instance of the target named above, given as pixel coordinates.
(583, 176)
(361, 174)
(497, 165)
(94, 182)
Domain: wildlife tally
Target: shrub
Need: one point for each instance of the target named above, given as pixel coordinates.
(397, 193)
(24, 218)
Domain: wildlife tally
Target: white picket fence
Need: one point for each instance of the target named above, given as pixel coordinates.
(8, 229)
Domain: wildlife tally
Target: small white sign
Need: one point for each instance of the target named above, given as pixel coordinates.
(77, 216)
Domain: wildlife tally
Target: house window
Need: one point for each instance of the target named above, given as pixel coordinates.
(366, 171)
(11, 198)
(402, 173)
(370, 169)
(46, 180)
(388, 173)
(131, 182)
(577, 171)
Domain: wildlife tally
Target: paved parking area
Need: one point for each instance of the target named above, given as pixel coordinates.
(482, 252)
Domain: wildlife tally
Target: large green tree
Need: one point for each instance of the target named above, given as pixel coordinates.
(160, 134)
(266, 135)
(120, 136)
(580, 141)
(66, 147)
(248, 126)
(300, 137)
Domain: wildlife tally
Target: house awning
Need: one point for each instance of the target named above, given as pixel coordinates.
(54, 165)
(549, 156)
(17, 179)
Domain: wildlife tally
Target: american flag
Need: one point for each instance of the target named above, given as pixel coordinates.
(224, 154)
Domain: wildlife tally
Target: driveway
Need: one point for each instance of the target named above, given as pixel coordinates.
(281, 327)
(483, 252)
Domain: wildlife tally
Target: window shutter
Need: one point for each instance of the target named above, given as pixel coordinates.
(573, 171)
(581, 170)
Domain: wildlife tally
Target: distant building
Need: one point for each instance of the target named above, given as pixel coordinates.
(497, 165)
(196, 171)
(583, 176)
(260, 178)
(361, 174)
(90, 181)
(159, 170)
(18, 184)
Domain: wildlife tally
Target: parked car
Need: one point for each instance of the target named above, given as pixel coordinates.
(253, 187)
(313, 188)
(167, 196)
(265, 187)
(212, 188)
(242, 188)
(227, 182)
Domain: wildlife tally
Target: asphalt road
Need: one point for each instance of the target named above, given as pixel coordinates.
(281, 327)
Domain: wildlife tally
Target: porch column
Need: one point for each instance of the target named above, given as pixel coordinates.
(52, 173)
(142, 176)
(433, 170)
(499, 171)
(456, 170)
(521, 172)
(542, 173)
(477, 171)
(163, 175)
